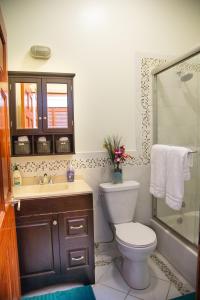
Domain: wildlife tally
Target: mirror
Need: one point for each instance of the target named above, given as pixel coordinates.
(57, 106)
(26, 105)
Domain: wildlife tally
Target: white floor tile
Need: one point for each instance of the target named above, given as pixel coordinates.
(173, 293)
(100, 270)
(103, 292)
(112, 278)
(157, 290)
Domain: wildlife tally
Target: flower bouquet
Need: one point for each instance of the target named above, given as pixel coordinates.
(117, 155)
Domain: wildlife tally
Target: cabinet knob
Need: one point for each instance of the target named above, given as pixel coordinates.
(44, 118)
(40, 118)
(55, 222)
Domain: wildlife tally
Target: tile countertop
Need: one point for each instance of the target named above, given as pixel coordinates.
(51, 190)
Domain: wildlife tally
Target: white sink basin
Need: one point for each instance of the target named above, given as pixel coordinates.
(51, 190)
(37, 189)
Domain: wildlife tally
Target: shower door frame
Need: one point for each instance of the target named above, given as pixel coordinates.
(154, 73)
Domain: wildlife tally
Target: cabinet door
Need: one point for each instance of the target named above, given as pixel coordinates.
(9, 269)
(57, 105)
(38, 250)
(26, 105)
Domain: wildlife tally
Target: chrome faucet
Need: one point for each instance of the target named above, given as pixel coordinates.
(45, 179)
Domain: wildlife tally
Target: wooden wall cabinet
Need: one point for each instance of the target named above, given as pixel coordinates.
(55, 241)
(41, 104)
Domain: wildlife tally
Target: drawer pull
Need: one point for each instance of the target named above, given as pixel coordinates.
(78, 258)
(55, 222)
(76, 227)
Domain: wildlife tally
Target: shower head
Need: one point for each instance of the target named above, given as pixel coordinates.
(184, 76)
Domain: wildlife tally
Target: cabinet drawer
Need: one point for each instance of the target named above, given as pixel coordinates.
(78, 257)
(77, 226)
(54, 205)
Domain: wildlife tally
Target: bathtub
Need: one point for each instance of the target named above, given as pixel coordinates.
(179, 253)
(187, 225)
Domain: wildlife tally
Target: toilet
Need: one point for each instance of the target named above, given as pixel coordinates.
(135, 241)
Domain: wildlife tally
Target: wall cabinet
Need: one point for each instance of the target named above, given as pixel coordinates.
(55, 241)
(41, 105)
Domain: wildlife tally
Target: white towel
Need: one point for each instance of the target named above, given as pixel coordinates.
(22, 138)
(42, 139)
(158, 170)
(178, 170)
(63, 138)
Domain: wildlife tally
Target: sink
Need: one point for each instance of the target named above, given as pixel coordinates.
(37, 189)
(51, 190)
(51, 187)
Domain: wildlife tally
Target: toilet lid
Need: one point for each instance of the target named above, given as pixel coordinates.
(135, 234)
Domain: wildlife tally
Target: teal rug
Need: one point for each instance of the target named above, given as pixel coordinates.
(79, 293)
(186, 297)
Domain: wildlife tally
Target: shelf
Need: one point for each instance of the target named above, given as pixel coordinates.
(44, 148)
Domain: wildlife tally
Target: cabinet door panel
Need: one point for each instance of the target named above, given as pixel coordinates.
(38, 245)
(27, 111)
(57, 105)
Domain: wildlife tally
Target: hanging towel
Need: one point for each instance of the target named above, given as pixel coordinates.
(158, 170)
(178, 170)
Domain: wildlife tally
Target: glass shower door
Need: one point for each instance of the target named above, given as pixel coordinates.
(178, 123)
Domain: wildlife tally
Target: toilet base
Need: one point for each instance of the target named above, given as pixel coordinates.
(136, 273)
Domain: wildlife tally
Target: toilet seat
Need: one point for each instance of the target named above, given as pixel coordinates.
(135, 235)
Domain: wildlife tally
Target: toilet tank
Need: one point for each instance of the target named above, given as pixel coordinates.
(119, 200)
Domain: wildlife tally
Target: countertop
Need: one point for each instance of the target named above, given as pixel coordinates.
(51, 190)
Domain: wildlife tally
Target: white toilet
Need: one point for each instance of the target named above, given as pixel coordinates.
(135, 241)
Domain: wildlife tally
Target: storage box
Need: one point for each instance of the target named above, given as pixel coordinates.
(43, 147)
(22, 148)
(62, 146)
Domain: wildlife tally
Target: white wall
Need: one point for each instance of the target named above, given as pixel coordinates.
(100, 41)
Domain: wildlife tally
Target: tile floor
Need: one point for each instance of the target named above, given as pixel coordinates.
(166, 282)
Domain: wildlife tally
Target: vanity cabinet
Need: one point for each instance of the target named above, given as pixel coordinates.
(41, 104)
(55, 241)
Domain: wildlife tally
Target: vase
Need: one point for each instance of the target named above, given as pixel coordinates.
(117, 175)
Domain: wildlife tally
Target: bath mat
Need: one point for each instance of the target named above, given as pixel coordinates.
(79, 293)
(190, 296)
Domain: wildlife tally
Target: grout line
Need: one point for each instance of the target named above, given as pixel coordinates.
(133, 296)
(166, 280)
(103, 274)
(168, 291)
(120, 291)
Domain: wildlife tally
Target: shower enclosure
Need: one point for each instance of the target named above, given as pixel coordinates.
(176, 121)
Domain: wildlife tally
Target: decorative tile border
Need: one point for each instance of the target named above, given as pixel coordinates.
(180, 286)
(52, 166)
(147, 65)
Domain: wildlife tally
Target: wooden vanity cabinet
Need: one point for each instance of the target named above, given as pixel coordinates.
(55, 241)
